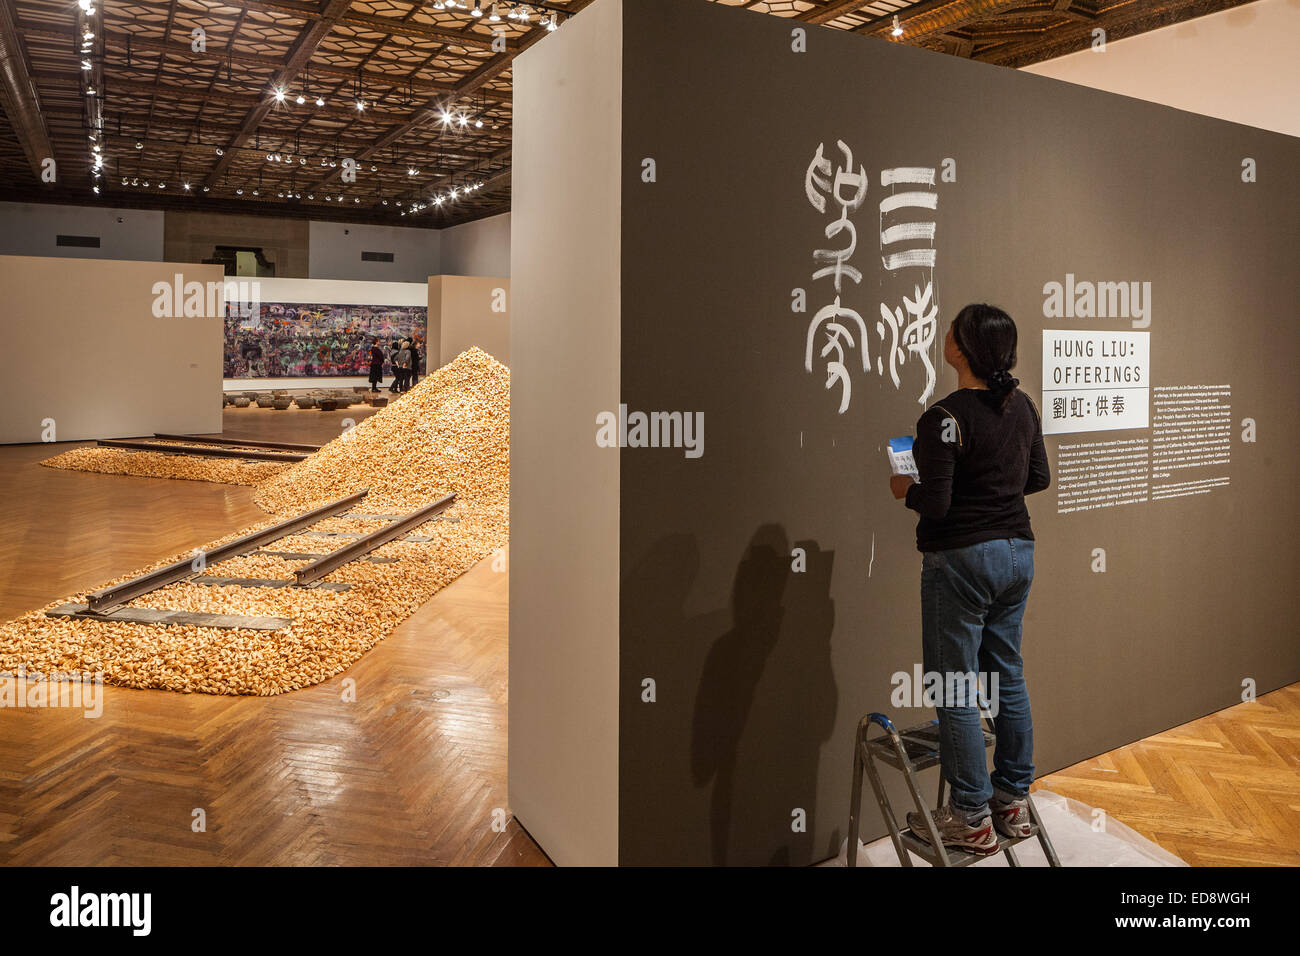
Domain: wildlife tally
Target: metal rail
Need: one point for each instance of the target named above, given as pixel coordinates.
(199, 440)
(363, 545)
(212, 452)
(108, 598)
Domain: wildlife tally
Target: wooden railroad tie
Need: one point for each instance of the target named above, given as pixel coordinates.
(152, 615)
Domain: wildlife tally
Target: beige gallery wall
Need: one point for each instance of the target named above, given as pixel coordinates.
(87, 358)
(469, 310)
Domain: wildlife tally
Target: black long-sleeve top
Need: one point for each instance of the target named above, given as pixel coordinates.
(976, 466)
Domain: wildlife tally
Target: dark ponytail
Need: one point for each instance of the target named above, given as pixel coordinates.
(987, 337)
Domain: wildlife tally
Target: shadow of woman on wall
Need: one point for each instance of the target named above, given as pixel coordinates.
(766, 703)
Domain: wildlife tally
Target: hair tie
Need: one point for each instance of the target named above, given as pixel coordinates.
(1002, 380)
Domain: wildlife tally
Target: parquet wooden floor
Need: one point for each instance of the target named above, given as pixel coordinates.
(409, 773)
(1220, 791)
(412, 770)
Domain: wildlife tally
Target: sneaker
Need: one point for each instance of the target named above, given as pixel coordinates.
(1012, 818)
(955, 833)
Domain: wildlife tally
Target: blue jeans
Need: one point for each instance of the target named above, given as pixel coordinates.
(972, 603)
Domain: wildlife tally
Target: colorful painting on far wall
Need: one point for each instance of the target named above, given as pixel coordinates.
(302, 340)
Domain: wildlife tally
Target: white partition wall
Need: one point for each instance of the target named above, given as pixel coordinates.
(564, 490)
(467, 311)
(87, 357)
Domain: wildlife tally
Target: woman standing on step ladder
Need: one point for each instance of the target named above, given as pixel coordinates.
(978, 452)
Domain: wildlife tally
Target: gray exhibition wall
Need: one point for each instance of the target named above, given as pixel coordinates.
(761, 673)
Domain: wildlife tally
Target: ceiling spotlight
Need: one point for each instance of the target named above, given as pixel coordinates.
(451, 4)
(255, 192)
(338, 199)
(161, 185)
(374, 168)
(446, 118)
(355, 199)
(269, 158)
(85, 64)
(478, 123)
(550, 25)
(412, 171)
(220, 151)
(898, 29)
(123, 180)
(513, 14)
(437, 200)
(139, 145)
(439, 5)
(361, 106)
(239, 191)
(88, 36)
(297, 195)
(302, 160)
(288, 157)
(384, 201)
(84, 4)
(90, 91)
(332, 164)
(320, 101)
(454, 192)
(311, 195)
(279, 95)
(464, 120)
(205, 188)
(300, 99)
(187, 187)
(478, 9)
(136, 182)
(495, 17)
(94, 189)
(523, 15)
(280, 195)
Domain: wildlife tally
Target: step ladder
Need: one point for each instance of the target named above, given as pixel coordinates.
(912, 751)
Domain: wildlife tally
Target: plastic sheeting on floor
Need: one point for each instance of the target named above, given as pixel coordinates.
(1070, 826)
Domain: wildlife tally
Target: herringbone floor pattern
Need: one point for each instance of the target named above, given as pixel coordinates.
(412, 770)
(409, 772)
(1220, 791)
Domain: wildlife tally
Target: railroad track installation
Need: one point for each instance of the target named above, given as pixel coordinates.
(113, 603)
(358, 535)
